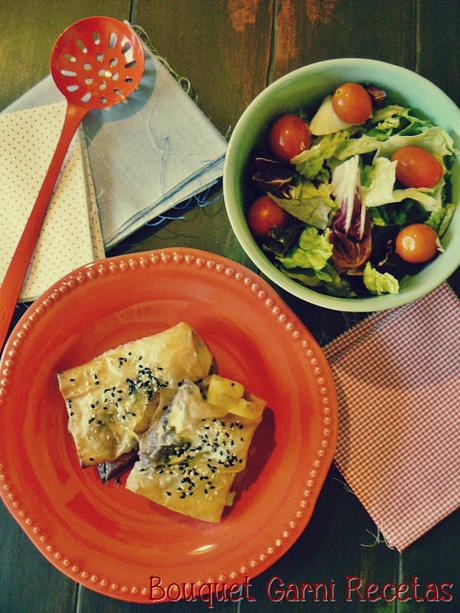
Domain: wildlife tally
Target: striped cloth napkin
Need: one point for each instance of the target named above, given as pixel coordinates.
(398, 382)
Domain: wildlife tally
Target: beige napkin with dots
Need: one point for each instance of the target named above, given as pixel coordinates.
(71, 234)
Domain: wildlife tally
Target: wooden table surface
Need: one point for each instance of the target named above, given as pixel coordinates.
(230, 50)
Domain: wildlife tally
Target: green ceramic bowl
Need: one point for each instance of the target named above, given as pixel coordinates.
(305, 88)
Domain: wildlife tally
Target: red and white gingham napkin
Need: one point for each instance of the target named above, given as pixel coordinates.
(398, 382)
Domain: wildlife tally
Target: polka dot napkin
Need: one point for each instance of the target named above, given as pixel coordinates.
(71, 235)
(398, 382)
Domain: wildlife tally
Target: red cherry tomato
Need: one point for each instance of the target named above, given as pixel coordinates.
(352, 103)
(416, 167)
(416, 243)
(264, 214)
(289, 136)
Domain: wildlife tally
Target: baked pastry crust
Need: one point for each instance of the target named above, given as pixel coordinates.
(194, 448)
(113, 397)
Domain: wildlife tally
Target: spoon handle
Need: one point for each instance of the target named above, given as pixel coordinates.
(17, 269)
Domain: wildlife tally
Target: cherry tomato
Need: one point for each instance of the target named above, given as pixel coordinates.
(416, 243)
(289, 135)
(264, 214)
(352, 103)
(416, 167)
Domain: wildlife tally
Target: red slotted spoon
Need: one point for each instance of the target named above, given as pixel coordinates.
(96, 63)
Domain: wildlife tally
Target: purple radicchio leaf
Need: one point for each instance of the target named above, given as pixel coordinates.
(351, 227)
(274, 176)
(378, 95)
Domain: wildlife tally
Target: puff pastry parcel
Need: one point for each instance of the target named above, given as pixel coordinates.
(113, 397)
(197, 442)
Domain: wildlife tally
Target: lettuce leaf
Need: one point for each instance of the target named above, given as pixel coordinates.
(380, 191)
(381, 178)
(430, 200)
(400, 214)
(313, 251)
(435, 140)
(305, 190)
(379, 283)
(357, 146)
(327, 280)
(310, 161)
(394, 118)
(311, 207)
(440, 220)
(390, 111)
(450, 211)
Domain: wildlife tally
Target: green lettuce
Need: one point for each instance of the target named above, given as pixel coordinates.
(380, 179)
(310, 204)
(401, 214)
(313, 251)
(310, 278)
(394, 118)
(357, 146)
(440, 220)
(327, 279)
(310, 161)
(379, 283)
(388, 112)
(388, 117)
(429, 199)
(435, 140)
(380, 190)
(305, 190)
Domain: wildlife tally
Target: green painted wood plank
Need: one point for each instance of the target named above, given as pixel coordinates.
(434, 559)
(316, 30)
(438, 44)
(222, 46)
(28, 582)
(95, 603)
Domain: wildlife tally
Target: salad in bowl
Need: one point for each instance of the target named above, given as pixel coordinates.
(354, 199)
(341, 182)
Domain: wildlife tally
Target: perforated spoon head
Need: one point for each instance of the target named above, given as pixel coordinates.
(97, 62)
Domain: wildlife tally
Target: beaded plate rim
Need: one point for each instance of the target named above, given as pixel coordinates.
(260, 290)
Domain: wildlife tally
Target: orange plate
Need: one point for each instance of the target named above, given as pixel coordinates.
(105, 537)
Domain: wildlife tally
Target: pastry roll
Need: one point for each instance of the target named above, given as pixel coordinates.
(195, 446)
(114, 396)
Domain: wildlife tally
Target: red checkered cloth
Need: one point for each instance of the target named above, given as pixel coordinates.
(398, 382)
